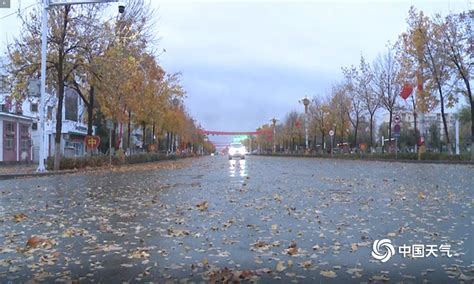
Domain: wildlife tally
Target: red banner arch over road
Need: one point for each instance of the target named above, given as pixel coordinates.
(211, 132)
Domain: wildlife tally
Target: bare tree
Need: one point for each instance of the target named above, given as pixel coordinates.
(369, 98)
(319, 112)
(457, 41)
(387, 84)
(355, 110)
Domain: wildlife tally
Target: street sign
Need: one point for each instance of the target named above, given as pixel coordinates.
(92, 142)
(396, 135)
(34, 88)
(331, 132)
(397, 119)
(109, 124)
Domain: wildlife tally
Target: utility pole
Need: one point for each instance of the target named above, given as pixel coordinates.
(305, 101)
(274, 121)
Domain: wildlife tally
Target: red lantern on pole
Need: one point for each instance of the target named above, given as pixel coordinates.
(297, 124)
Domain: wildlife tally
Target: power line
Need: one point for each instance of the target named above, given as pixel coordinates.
(18, 12)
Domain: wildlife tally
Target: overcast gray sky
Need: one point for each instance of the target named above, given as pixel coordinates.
(243, 62)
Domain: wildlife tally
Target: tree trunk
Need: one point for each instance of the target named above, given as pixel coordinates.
(469, 94)
(472, 123)
(322, 141)
(59, 122)
(144, 134)
(129, 127)
(153, 134)
(390, 126)
(443, 117)
(114, 137)
(356, 131)
(445, 126)
(90, 111)
(371, 131)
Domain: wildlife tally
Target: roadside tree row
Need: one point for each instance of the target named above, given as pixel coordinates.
(112, 63)
(431, 62)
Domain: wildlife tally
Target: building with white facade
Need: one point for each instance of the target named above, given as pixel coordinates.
(426, 121)
(19, 124)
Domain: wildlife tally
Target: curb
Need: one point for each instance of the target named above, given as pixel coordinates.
(51, 173)
(60, 172)
(438, 162)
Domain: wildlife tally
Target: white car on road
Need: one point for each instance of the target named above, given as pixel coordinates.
(237, 150)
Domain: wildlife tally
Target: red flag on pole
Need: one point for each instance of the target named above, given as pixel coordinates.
(406, 91)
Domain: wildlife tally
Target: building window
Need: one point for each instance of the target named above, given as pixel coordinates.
(9, 127)
(78, 147)
(4, 86)
(34, 126)
(50, 113)
(34, 107)
(9, 142)
(24, 129)
(24, 145)
(70, 104)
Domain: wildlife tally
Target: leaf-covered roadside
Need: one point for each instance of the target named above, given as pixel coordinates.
(191, 221)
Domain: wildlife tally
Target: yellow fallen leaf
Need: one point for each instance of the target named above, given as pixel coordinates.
(421, 195)
(19, 217)
(354, 247)
(203, 206)
(280, 267)
(328, 273)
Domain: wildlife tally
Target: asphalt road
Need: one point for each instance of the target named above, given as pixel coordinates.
(265, 219)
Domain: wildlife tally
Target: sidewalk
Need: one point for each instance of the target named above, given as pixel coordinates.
(25, 170)
(17, 169)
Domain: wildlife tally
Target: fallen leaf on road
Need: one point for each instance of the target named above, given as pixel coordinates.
(421, 195)
(203, 206)
(19, 217)
(354, 247)
(292, 249)
(39, 242)
(280, 267)
(328, 273)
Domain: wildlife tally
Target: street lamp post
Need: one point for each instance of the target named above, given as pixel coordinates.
(274, 121)
(44, 30)
(305, 101)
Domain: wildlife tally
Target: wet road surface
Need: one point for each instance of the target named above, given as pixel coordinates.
(264, 218)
